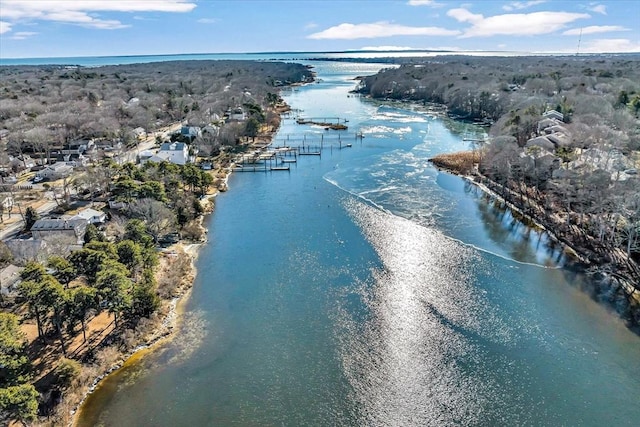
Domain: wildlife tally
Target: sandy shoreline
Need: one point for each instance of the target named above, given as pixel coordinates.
(171, 321)
(162, 335)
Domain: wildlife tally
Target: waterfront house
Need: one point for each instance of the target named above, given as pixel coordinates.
(174, 152)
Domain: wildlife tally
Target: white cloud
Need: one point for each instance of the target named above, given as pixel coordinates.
(611, 46)
(207, 21)
(5, 27)
(463, 15)
(594, 29)
(514, 24)
(84, 20)
(519, 5)
(21, 35)
(348, 31)
(431, 3)
(310, 26)
(597, 8)
(387, 48)
(83, 12)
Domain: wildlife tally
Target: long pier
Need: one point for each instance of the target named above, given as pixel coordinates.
(322, 119)
(280, 154)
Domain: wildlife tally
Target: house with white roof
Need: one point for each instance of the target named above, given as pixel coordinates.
(92, 216)
(174, 152)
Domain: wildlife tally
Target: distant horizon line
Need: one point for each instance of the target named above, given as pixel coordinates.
(146, 55)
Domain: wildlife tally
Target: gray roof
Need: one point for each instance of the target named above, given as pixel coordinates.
(173, 146)
(559, 139)
(553, 113)
(57, 224)
(10, 275)
(541, 141)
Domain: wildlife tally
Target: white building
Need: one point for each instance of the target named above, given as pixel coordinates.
(92, 216)
(175, 152)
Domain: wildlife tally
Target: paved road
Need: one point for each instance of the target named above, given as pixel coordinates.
(12, 229)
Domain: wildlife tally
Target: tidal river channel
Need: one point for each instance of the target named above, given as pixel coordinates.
(365, 288)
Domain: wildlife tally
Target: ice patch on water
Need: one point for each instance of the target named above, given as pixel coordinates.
(376, 129)
(398, 118)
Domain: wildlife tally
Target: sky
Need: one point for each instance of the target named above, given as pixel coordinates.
(68, 28)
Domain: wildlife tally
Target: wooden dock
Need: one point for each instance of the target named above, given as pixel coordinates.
(279, 154)
(264, 168)
(335, 123)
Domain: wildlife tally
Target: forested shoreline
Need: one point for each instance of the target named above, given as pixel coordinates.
(90, 304)
(563, 147)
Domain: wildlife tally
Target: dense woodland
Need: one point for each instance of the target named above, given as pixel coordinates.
(577, 176)
(44, 107)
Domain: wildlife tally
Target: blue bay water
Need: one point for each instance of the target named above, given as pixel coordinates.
(366, 288)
